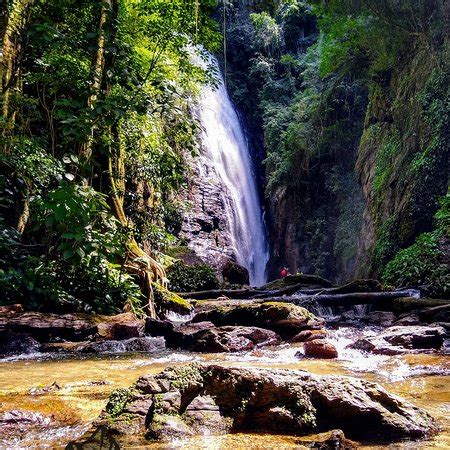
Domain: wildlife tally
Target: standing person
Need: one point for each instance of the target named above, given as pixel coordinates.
(284, 272)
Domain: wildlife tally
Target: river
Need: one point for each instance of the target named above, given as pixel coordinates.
(83, 385)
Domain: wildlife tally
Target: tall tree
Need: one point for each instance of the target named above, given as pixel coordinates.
(15, 24)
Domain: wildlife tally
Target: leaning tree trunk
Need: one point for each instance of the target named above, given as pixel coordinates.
(97, 72)
(140, 262)
(15, 19)
(137, 261)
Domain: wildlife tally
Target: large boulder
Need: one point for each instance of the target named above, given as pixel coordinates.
(16, 344)
(302, 280)
(120, 326)
(233, 339)
(285, 319)
(403, 339)
(199, 399)
(233, 273)
(182, 336)
(206, 337)
(46, 326)
(330, 440)
(168, 302)
(135, 344)
(310, 335)
(381, 318)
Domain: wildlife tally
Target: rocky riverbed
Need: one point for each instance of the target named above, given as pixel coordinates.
(228, 372)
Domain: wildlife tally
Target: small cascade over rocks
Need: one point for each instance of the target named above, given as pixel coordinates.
(226, 163)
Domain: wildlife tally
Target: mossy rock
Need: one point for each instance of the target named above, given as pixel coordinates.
(299, 278)
(185, 254)
(169, 301)
(408, 304)
(286, 319)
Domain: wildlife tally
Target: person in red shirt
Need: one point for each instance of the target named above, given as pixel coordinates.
(284, 272)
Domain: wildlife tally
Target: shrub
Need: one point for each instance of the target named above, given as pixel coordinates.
(424, 263)
(198, 277)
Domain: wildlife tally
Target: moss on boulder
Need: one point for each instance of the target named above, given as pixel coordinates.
(299, 278)
(169, 301)
(286, 319)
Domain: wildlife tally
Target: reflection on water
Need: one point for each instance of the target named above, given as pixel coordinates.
(83, 385)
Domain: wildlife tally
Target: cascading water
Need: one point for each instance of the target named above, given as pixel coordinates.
(226, 147)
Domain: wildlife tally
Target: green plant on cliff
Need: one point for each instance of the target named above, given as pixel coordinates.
(425, 263)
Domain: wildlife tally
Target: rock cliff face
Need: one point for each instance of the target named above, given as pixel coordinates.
(402, 162)
(205, 225)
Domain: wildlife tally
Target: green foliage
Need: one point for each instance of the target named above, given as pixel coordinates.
(390, 149)
(425, 263)
(71, 253)
(117, 401)
(78, 225)
(186, 278)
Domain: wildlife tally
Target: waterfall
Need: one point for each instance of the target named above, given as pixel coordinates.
(226, 146)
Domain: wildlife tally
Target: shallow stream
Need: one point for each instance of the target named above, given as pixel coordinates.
(82, 386)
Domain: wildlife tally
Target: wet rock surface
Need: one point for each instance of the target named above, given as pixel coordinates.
(206, 337)
(381, 318)
(403, 339)
(285, 319)
(233, 339)
(215, 399)
(331, 440)
(320, 348)
(15, 344)
(233, 273)
(17, 423)
(137, 344)
(45, 326)
(310, 335)
(120, 326)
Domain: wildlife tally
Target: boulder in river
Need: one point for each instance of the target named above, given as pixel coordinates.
(234, 273)
(310, 335)
(285, 319)
(198, 399)
(121, 326)
(136, 344)
(45, 326)
(381, 318)
(403, 339)
(233, 339)
(321, 349)
(206, 337)
(303, 280)
(330, 440)
(16, 343)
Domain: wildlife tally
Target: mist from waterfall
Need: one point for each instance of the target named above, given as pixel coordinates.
(226, 146)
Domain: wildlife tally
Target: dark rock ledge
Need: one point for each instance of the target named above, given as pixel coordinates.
(196, 399)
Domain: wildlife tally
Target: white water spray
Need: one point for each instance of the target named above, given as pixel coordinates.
(226, 147)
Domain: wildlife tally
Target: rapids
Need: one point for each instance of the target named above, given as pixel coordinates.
(82, 386)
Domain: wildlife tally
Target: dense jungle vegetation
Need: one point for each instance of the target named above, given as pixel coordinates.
(346, 101)
(330, 85)
(95, 120)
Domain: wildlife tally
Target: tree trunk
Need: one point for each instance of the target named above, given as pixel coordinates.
(97, 72)
(14, 26)
(140, 262)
